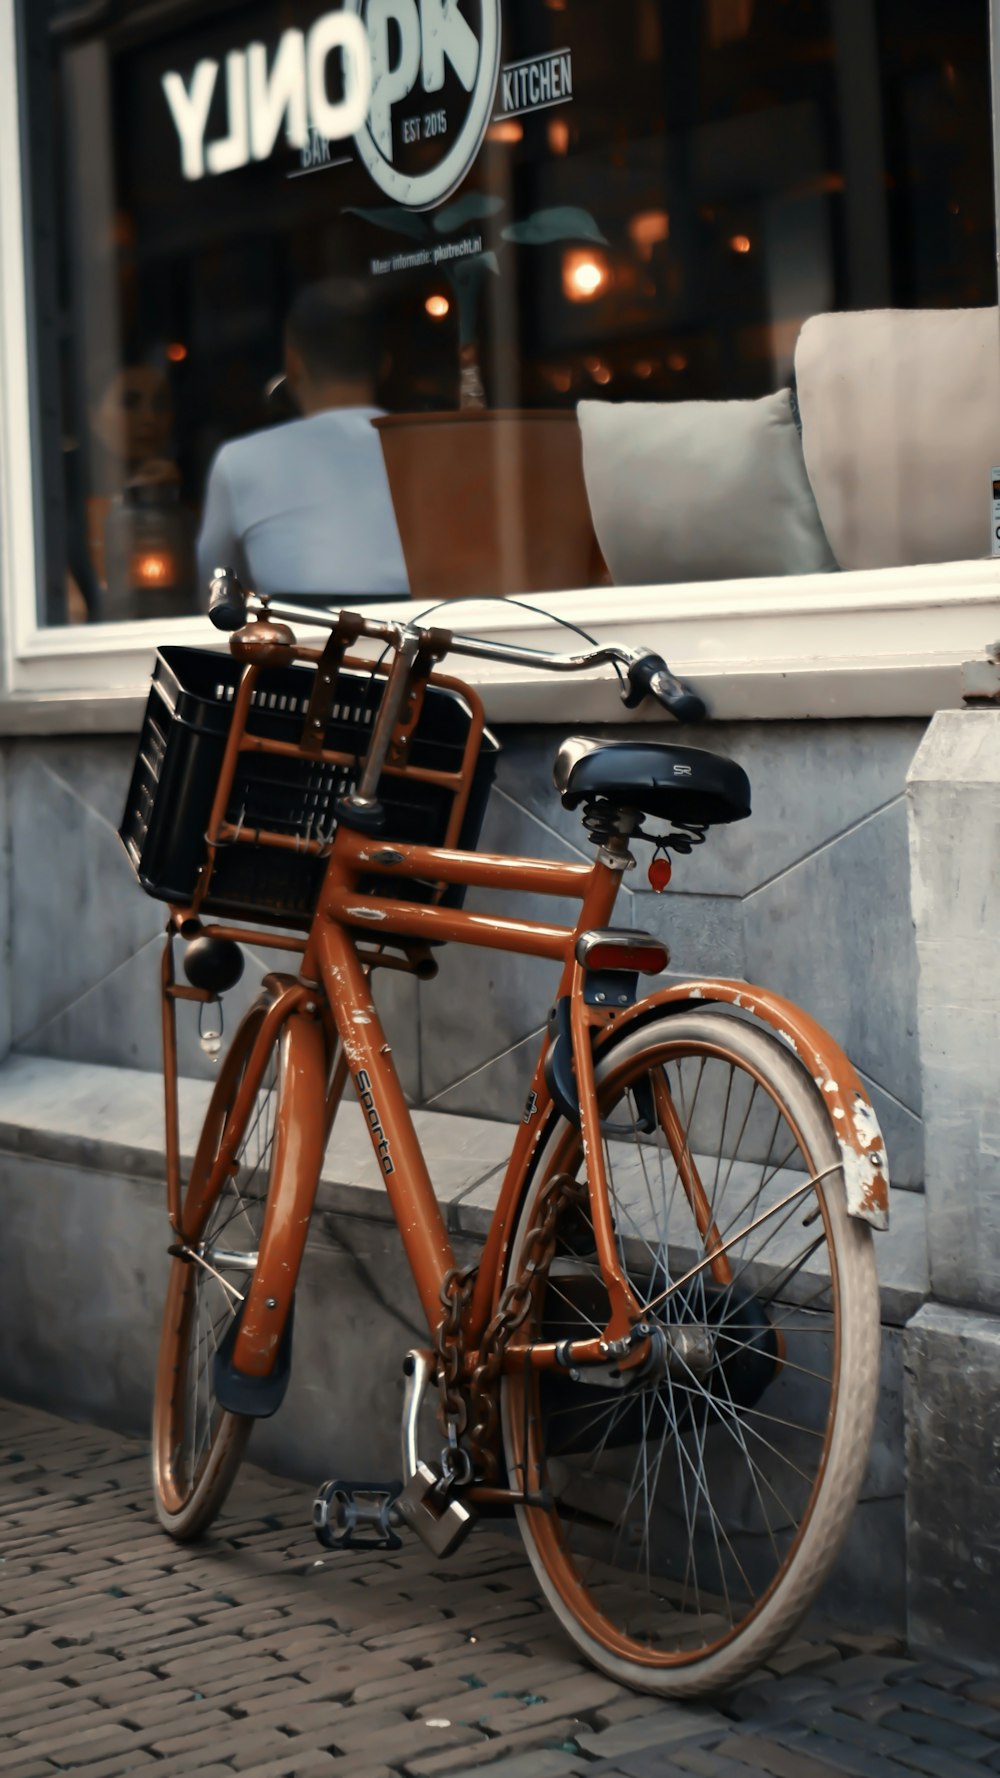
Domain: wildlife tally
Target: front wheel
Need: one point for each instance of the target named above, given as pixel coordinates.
(197, 1446)
(696, 1508)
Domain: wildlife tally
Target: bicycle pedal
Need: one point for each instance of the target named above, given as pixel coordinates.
(357, 1515)
(440, 1521)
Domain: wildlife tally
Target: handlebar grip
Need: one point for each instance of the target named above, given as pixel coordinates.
(227, 601)
(650, 677)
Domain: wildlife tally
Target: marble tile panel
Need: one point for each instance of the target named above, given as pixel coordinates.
(6, 982)
(116, 1022)
(83, 1270)
(95, 768)
(85, 998)
(524, 773)
(76, 911)
(809, 782)
(498, 1088)
(484, 1002)
(704, 933)
(835, 934)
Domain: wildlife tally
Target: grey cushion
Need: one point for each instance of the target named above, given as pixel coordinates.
(700, 490)
(901, 428)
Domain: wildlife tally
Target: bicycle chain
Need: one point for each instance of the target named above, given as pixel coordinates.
(480, 1393)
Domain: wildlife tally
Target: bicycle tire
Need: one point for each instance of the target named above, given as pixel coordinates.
(189, 1491)
(684, 1637)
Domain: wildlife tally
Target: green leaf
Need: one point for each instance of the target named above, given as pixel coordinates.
(475, 206)
(566, 222)
(396, 220)
(466, 278)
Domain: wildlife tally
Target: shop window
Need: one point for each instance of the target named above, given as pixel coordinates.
(754, 238)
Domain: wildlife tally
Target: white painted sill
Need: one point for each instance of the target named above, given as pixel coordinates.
(885, 643)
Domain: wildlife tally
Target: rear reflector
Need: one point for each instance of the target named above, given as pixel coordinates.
(644, 959)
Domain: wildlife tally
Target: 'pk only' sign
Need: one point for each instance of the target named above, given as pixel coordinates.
(418, 78)
(435, 67)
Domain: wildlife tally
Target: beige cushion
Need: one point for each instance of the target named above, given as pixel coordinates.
(700, 490)
(901, 427)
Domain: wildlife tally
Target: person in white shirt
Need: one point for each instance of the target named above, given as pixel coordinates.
(304, 508)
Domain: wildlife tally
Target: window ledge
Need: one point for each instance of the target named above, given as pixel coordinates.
(884, 643)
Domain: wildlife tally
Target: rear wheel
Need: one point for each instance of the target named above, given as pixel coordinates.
(697, 1509)
(198, 1446)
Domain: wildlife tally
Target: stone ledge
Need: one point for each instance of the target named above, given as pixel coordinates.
(84, 1266)
(110, 1120)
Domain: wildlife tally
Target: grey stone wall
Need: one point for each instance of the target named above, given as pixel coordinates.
(952, 1361)
(952, 1347)
(6, 986)
(810, 897)
(81, 1171)
(955, 821)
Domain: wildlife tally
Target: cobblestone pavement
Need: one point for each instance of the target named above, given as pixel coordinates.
(121, 1652)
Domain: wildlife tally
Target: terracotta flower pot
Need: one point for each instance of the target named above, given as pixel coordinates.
(490, 502)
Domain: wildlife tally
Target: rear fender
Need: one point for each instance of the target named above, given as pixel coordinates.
(866, 1172)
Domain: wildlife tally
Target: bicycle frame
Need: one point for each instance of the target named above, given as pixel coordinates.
(331, 994)
(332, 958)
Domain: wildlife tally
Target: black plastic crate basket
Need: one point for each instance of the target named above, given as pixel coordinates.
(180, 757)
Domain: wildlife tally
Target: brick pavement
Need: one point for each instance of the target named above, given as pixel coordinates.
(253, 1654)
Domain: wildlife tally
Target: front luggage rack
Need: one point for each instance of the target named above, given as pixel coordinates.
(229, 813)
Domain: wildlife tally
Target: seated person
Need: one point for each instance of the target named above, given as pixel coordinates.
(304, 508)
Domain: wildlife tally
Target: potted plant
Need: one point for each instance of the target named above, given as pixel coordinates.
(488, 501)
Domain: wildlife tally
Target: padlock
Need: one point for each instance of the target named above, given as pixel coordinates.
(441, 1523)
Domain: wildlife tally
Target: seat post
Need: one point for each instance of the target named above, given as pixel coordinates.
(611, 828)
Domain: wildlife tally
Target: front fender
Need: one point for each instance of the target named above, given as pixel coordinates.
(866, 1172)
(299, 1146)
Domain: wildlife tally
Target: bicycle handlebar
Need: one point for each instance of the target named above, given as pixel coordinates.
(228, 604)
(646, 673)
(650, 677)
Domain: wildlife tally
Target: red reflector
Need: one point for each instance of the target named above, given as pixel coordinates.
(641, 959)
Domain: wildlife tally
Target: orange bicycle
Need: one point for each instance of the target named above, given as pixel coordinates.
(664, 1363)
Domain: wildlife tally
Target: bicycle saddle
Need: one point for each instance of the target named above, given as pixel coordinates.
(670, 783)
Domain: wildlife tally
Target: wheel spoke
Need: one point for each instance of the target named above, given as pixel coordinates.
(679, 1501)
(233, 1226)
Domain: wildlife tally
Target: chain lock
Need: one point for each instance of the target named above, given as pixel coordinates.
(480, 1394)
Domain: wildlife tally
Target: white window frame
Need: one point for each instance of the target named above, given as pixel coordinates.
(887, 642)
